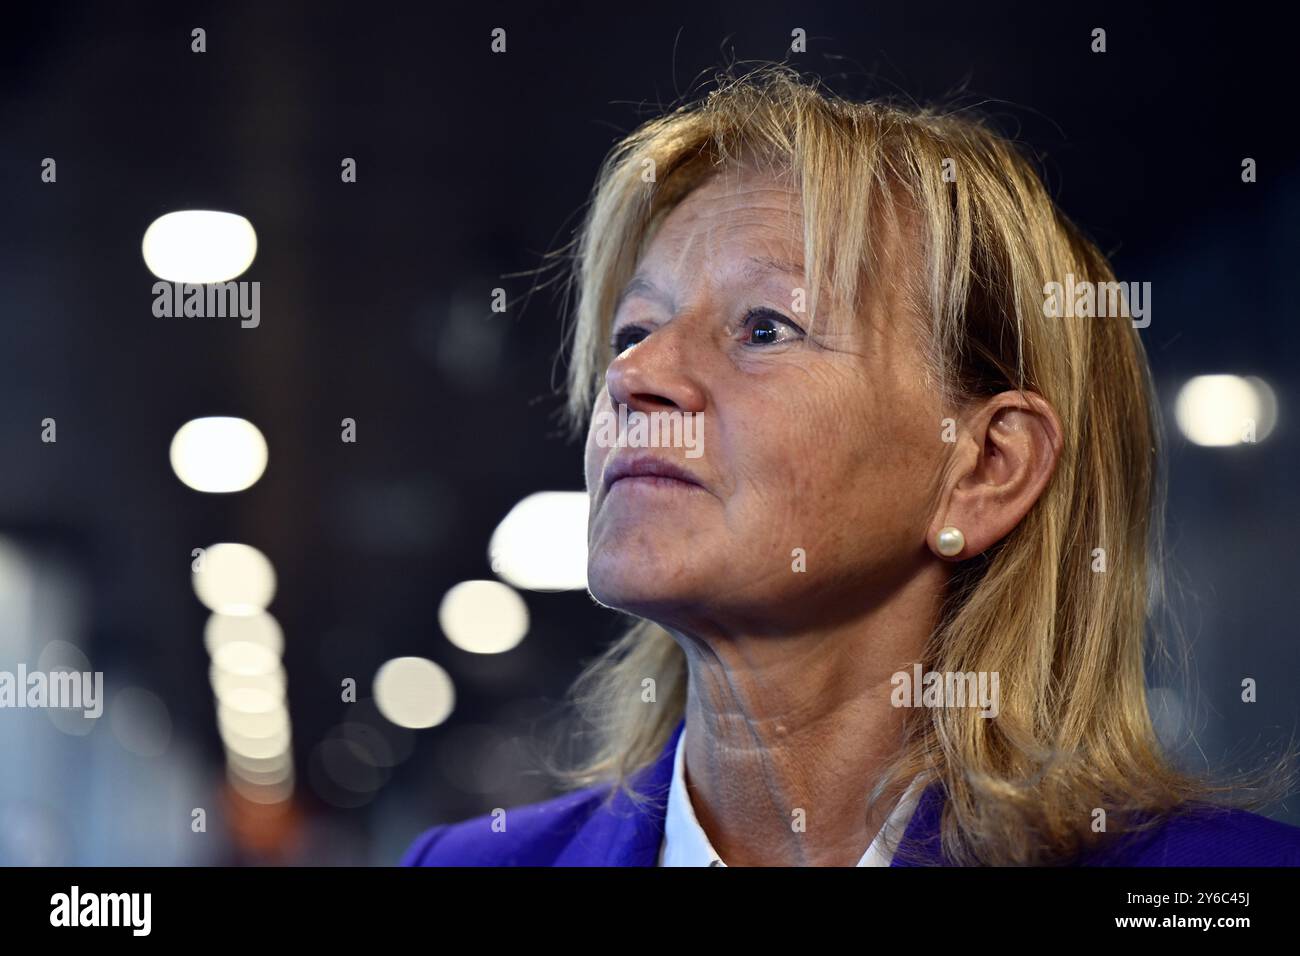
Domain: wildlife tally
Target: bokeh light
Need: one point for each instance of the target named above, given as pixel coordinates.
(414, 692)
(199, 246)
(234, 579)
(1222, 410)
(541, 544)
(262, 629)
(484, 617)
(218, 455)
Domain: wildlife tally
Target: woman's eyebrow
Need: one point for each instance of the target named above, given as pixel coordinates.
(642, 286)
(758, 266)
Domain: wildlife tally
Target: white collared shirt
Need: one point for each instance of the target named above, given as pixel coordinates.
(685, 843)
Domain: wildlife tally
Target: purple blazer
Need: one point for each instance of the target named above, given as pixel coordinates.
(584, 829)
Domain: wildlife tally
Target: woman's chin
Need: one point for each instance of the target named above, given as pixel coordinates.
(640, 588)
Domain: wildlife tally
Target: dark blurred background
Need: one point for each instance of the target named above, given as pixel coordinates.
(376, 306)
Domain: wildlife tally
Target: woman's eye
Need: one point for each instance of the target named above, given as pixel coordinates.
(627, 337)
(767, 327)
(761, 327)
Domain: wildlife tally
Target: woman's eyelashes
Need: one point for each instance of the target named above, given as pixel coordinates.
(626, 337)
(764, 327)
(760, 328)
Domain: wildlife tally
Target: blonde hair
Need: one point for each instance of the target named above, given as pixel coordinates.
(1074, 732)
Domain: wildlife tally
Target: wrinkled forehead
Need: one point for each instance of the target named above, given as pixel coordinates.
(746, 220)
(732, 218)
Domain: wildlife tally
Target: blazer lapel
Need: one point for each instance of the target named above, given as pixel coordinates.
(921, 845)
(621, 832)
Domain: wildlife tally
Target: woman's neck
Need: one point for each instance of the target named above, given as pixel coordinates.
(787, 735)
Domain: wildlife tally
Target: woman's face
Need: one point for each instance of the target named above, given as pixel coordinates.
(819, 437)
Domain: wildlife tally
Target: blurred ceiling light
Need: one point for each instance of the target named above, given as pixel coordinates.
(278, 766)
(1222, 410)
(284, 774)
(253, 693)
(259, 753)
(484, 617)
(199, 245)
(260, 748)
(245, 723)
(263, 793)
(234, 579)
(541, 545)
(262, 629)
(218, 454)
(414, 692)
(246, 659)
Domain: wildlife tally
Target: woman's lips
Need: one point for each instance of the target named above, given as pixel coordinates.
(654, 481)
(647, 471)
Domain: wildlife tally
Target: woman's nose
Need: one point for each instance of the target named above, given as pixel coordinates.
(655, 375)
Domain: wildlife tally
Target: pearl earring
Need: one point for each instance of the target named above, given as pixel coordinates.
(950, 541)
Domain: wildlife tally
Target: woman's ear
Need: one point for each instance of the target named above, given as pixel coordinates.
(1006, 452)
